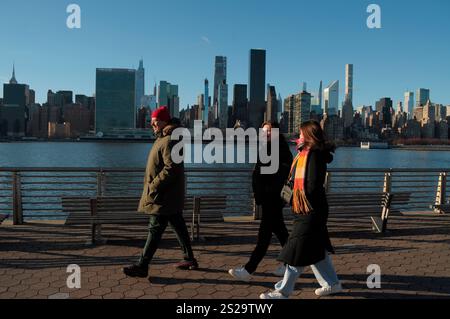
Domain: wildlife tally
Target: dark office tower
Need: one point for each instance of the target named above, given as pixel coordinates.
(15, 93)
(272, 104)
(423, 95)
(142, 117)
(50, 98)
(115, 99)
(257, 83)
(240, 111)
(347, 112)
(168, 96)
(384, 107)
(220, 76)
(63, 98)
(78, 116)
(82, 99)
(32, 97)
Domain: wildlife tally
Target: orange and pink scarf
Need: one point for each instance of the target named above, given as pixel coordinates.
(300, 204)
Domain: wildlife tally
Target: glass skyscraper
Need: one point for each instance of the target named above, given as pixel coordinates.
(423, 95)
(168, 96)
(349, 82)
(331, 98)
(115, 99)
(220, 76)
(409, 103)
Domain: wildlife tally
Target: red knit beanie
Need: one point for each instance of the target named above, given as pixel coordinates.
(161, 114)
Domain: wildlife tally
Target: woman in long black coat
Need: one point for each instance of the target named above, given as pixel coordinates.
(267, 189)
(309, 243)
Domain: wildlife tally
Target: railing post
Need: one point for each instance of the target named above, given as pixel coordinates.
(387, 186)
(94, 226)
(97, 228)
(257, 211)
(327, 182)
(17, 200)
(196, 218)
(441, 192)
(100, 179)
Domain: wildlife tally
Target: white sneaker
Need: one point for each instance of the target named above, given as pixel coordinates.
(240, 274)
(280, 271)
(272, 295)
(326, 291)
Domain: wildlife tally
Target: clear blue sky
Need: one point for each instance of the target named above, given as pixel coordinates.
(178, 39)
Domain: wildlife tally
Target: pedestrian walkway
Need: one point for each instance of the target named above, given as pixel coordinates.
(414, 257)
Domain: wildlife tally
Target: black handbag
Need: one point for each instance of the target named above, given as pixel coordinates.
(287, 192)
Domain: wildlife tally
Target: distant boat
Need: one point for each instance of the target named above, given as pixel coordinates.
(374, 145)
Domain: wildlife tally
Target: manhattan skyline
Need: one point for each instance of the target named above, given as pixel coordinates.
(306, 42)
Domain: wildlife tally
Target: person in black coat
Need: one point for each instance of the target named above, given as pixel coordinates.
(309, 243)
(267, 189)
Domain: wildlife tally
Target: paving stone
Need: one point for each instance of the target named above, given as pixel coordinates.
(413, 266)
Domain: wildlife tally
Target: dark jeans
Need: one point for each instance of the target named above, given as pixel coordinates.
(272, 222)
(156, 228)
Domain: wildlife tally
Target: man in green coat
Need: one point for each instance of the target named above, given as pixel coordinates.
(163, 197)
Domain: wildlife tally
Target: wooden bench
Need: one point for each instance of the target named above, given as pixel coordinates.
(354, 204)
(441, 208)
(105, 210)
(3, 217)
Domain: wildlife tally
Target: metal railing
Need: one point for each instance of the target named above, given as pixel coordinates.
(36, 193)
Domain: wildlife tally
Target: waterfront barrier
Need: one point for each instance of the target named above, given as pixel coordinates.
(36, 193)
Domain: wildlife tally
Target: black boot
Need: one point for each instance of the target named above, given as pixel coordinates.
(136, 271)
(187, 265)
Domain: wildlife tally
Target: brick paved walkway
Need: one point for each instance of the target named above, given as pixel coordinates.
(414, 257)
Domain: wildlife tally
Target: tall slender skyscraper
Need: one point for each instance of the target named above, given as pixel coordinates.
(223, 105)
(257, 84)
(331, 98)
(140, 84)
(220, 75)
(205, 112)
(320, 94)
(272, 104)
(409, 104)
(349, 82)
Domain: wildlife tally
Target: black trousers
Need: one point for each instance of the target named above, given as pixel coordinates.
(272, 222)
(156, 228)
